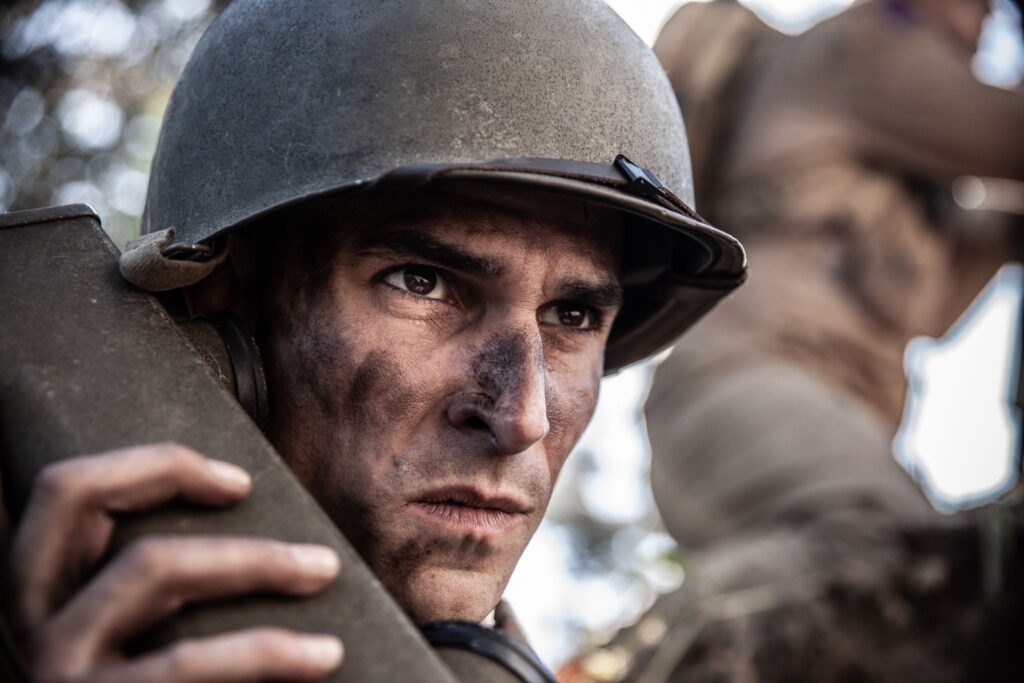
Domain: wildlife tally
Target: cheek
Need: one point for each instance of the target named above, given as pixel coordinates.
(302, 357)
(379, 393)
(572, 399)
(338, 397)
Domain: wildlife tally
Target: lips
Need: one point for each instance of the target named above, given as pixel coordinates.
(468, 509)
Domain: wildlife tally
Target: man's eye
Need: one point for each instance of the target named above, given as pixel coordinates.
(419, 280)
(568, 314)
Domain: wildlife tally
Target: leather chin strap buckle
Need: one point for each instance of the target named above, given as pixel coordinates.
(511, 653)
(186, 251)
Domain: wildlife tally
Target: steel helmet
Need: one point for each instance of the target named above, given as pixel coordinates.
(287, 100)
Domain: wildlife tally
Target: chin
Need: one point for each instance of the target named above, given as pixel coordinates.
(434, 594)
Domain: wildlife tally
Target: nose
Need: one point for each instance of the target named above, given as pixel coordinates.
(509, 402)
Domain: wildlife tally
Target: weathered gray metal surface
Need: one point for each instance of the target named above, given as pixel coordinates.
(284, 100)
(288, 98)
(88, 363)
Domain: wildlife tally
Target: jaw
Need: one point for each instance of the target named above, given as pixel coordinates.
(438, 575)
(434, 594)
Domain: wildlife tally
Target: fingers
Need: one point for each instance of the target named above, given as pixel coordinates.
(156, 576)
(67, 523)
(253, 655)
(66, 528)
(140, 477)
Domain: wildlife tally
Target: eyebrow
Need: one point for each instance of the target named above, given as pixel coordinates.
(420, 245)
(601, 295)
(412, 243)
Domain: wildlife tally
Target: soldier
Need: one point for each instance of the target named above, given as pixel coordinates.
(421, 212)
(771, 424)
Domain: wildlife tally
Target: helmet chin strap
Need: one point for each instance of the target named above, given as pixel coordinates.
(231, 353)
(510, 653)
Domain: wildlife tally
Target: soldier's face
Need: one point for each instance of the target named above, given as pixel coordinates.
(428, 386)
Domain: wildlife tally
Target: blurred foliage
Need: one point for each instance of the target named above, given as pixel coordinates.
(83, 86)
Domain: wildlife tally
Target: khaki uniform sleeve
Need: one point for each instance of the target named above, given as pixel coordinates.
(919, 108)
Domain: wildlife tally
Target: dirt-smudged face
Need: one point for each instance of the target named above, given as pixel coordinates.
(428, 385)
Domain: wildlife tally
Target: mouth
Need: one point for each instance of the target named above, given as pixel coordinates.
(467, 509)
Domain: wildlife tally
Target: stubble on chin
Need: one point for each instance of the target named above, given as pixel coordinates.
(437, 580)
(432, 576)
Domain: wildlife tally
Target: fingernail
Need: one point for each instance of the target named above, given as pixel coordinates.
(316, 559)
(324, 652)
(232, 475)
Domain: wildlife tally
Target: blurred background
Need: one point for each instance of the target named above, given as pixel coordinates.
(83, 85)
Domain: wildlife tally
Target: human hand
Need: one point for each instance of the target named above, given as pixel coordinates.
(72, 623)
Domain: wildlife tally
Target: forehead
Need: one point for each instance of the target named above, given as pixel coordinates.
(510, 228)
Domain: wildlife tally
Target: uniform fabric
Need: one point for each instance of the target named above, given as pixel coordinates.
(740, 458)
(772, 420)
(829, 143)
